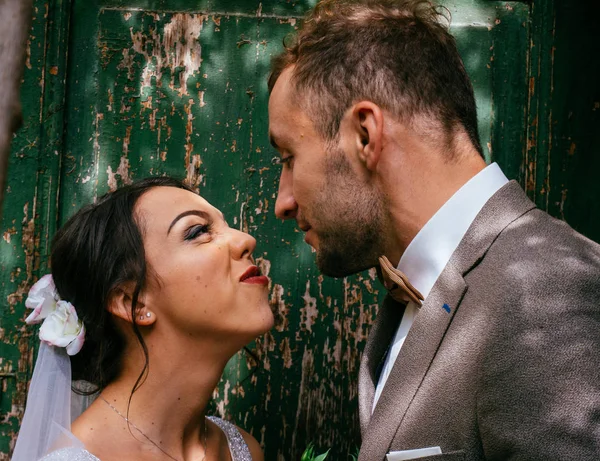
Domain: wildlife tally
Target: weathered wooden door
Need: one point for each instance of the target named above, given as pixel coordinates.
(116, 90)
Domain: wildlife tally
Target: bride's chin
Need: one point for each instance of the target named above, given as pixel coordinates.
(269, 319)
(263, 318)
(263, 327)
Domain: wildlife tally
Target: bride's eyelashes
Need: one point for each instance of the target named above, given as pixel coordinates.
(193, 232)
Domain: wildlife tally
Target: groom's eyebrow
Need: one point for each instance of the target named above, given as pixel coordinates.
(201, 214)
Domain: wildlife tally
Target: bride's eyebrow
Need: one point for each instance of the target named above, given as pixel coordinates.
(201, 214)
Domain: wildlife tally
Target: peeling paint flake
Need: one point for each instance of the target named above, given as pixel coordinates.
(178, 50)
(193, 162)
(122, 172)
(279, 308)
(309, 311)
(8, 233)
(193, 177)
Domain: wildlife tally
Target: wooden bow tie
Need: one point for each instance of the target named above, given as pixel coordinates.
(397, 283)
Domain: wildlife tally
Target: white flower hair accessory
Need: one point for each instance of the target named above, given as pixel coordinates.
(61, 327)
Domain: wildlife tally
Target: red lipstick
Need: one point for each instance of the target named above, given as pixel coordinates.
(252, 275)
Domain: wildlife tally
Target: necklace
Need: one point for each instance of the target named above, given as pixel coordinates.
(148, 438)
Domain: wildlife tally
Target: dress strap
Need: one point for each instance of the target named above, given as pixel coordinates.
(70, 454)
(237, 445)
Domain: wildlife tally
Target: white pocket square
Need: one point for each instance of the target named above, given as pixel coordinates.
(413, 454)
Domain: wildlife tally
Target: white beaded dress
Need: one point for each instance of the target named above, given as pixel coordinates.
(237, 446)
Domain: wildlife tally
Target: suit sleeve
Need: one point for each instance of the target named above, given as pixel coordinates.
(539, 391)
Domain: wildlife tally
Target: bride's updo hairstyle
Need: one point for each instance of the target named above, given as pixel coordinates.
(92, 255)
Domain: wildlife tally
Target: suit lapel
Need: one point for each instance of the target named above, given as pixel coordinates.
(412, 364)
(430, 325)
(384, 328)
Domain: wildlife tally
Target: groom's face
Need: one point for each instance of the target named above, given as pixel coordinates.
(319, 188)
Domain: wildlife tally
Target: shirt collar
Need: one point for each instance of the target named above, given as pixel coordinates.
(431, 249)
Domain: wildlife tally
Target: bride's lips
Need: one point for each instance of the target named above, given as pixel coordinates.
(252, 275)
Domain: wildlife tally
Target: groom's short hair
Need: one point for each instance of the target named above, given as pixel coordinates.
(398, 54)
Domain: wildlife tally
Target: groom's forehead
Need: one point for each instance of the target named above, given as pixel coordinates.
(289, 125)
(284, 102)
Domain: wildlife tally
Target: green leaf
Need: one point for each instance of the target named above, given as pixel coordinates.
(323, 456)
(308, 454)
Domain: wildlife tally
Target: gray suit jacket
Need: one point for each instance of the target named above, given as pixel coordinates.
(512, 372)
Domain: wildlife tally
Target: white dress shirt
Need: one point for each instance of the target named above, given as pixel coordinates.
(431, 249)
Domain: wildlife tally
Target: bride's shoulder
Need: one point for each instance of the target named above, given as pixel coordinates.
(70, 454)
(243, 446)
(252, 444)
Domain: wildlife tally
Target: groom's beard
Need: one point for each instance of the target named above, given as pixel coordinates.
(347, 251)
(349, 221)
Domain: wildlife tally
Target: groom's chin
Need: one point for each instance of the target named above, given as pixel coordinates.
(337, 265)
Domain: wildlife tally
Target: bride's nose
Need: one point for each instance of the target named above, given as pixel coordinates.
(242, 245)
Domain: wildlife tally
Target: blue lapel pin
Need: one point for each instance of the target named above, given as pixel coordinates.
(446, 308)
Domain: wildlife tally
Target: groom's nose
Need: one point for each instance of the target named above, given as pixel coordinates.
(285, 206)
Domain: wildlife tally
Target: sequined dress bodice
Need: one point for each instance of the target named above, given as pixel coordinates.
(237, 446)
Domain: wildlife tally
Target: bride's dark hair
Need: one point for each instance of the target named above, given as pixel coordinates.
(100, 248)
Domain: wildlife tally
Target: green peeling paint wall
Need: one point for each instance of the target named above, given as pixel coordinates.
(118, 90)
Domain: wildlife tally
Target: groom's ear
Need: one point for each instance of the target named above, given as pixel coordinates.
(367, 124)
(120, 304)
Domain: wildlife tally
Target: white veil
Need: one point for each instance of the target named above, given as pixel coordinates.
(51, 406)
(48, 415)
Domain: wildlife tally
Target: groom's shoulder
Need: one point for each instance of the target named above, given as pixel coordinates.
(537, 238)
(538, 256)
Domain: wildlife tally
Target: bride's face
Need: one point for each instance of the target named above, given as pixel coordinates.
(202, 279)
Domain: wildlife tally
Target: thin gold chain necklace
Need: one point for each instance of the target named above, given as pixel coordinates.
(148, 438)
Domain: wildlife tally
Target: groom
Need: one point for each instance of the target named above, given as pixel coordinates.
(488, 344)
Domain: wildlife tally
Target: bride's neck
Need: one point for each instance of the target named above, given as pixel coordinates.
(170, 404)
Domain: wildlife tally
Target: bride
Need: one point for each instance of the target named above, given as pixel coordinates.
(151, 294)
